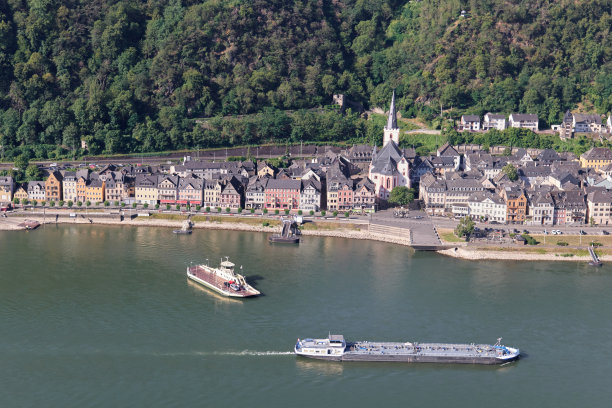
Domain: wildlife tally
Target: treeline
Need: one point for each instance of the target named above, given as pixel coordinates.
(129, 76)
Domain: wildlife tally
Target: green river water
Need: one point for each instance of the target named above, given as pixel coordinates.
(97, 316)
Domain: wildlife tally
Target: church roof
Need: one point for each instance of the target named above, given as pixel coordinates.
(385, 161)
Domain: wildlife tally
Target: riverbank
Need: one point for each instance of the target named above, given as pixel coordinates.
(349, 231)
(543, 254)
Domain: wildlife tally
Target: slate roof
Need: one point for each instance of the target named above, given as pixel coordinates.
(598, 153)
(284, 184)
(470, 118)
(385, 161)
(494, 116)
(524, 117)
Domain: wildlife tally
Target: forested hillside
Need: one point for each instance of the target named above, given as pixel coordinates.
(133, 76)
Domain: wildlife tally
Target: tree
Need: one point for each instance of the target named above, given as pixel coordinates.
(510, 171)
(465, 228)
(32, 173)
(401, 195)
(22, 162)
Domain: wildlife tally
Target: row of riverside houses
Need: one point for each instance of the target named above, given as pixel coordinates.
(551, 189)
(302, 186)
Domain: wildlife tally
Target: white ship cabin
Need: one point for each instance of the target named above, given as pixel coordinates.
(227, 266)
(334, 345)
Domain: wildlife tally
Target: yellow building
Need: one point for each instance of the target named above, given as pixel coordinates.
(94, 192)
(596, 158)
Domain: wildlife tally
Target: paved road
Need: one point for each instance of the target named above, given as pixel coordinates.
(423, 232)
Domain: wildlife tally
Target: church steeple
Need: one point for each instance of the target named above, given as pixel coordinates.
(392, 120)
(391, 131)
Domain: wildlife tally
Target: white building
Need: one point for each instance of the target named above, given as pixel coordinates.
(524, 121)
(389, 167)
(487, 206)
(469, 123)
(494, 121)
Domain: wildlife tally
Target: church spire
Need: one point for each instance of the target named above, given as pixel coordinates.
(391, 131)
(392, 120)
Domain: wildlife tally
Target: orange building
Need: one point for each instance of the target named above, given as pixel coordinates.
(53, 186)
(516, 203)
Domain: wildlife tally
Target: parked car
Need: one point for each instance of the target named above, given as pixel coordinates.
(582, 232)
(603, 232)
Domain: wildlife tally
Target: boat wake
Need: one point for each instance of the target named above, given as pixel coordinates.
(231, 353)
(252, 353)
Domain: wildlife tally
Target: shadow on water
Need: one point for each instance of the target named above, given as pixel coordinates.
(253, 279)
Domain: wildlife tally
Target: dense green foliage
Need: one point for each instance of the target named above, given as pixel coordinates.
(465, 227)
(132, 76)
(510, 171)
(401, 195)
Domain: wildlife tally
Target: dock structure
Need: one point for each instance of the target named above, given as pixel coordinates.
(29, 224)
(595, 259)
(289, 233)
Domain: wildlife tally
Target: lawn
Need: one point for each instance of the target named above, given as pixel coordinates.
(448, 235)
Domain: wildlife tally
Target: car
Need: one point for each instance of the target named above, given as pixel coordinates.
(494, 222)
(603, 232)
(418, 217)
(581, 232)
(525, 231)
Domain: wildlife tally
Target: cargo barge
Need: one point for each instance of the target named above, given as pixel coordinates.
(335, 348)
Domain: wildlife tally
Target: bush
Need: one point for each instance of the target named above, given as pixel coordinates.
(265, 210)
(80, 203)
(34, 202)
(335, 213)
(134, 205)
(252, 211)
(116, 203)
(61, 203)
(218, 209)
(227, 209)
(178, 207)
(106, 204)
(122, 204)
(529, 239)
(300, 212)
(596, 244)
(346, 214)
(168, 206)
(239, 210)
(311, 212)
(24, 201)
(157, 206)
(562, 243)
(52, 203)
(70, 203)
(323, 213)
(198, 207)
(87, 203)
(146, 205)
(276, 211)
(265, 223)
(286, 211)
(207, 209)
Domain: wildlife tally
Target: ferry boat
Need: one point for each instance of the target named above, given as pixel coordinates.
(336, 348)
(223, 279)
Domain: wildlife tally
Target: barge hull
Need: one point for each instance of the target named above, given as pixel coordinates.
(414, 359)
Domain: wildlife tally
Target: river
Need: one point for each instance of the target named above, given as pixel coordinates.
(100, 316)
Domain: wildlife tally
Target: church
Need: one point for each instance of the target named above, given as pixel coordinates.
(389, 167)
